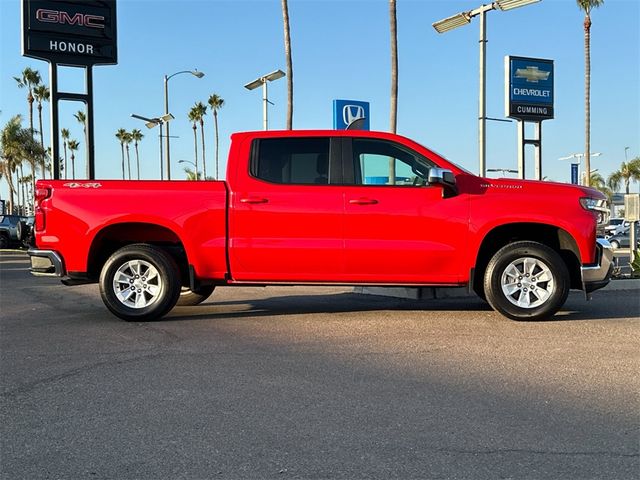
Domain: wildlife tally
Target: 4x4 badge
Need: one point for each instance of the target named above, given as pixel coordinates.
(83, 185)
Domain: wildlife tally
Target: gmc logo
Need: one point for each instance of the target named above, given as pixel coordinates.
(61, 17)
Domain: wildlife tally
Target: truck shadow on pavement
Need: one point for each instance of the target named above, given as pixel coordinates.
(608, 306)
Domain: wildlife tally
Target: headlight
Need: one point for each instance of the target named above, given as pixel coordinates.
(599, 207)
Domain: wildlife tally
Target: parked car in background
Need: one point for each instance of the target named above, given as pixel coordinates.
(623, 240)
(616, 226)
(13, 229)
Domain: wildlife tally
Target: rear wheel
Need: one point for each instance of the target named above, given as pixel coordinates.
(614, 244)
(194, 297)
(4, 241)
(140, 282)
(526, 281)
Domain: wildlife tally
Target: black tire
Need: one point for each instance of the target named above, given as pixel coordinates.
(4, 241)
(518, 294)
(151, 297)
(194, 297)
(614, 244)
(21, 230)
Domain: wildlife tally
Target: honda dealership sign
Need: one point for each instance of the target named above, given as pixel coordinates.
(529, 88)
(68, 32)
(347, 112)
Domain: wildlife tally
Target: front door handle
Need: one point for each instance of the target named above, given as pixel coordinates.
(363, 201)
(253, 200)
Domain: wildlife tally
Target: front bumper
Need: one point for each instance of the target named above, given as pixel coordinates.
(46, 263)
(597, 275)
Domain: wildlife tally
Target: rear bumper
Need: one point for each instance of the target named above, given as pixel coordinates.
(46, 263)
(595, 276)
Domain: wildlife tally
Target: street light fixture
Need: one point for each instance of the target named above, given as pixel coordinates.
(196, 74)
(270, 77)
(502, 170)
(159, 121)
(461, 19)
(579, 157)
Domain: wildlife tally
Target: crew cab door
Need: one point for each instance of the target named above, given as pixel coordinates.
(398, 229)
(285, 217)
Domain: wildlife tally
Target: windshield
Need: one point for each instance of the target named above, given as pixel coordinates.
(453, 163)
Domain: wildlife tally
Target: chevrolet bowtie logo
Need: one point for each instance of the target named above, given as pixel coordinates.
(532, 74)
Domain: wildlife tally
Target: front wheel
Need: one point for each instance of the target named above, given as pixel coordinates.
(614, 244)
(526, 281)
(140, 282)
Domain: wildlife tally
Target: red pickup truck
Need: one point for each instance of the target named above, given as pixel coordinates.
(325, 208)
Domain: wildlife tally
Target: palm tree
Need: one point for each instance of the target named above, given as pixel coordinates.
(121, 135)
(73, 146)
(41, 94)
(127, 141)
(16, 146)
(287, 52)
(201, 110)
(629, 171)
(137, 136)
(65, 139)
(26, 182)
(191, 175)
(29, 79)
(81, 117)
(586, 6)
(597, 181)
(394, 66)
(10, 153)
(193, 117)
(393, 120)
(216, 102)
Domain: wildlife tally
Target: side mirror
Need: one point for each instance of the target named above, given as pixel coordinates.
(444, 177)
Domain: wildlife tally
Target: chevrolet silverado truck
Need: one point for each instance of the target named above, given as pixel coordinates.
(323, 208)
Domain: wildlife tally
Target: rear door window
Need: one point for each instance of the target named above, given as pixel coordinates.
(299, 161)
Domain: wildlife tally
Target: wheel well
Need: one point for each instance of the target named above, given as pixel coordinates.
(114, 237)
(553, 237)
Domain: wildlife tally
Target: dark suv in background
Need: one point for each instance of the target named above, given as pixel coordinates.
(15, 230)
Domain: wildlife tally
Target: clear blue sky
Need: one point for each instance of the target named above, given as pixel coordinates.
(341, 50)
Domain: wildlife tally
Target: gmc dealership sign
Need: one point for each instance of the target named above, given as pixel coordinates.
(70, 32)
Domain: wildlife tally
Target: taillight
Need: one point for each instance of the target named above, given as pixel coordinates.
(42, 193)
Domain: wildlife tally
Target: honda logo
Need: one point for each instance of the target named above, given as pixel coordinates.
(351, 113)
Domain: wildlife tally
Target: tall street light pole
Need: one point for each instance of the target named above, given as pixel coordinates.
(262, 81)
(195, 73)
(463, 18)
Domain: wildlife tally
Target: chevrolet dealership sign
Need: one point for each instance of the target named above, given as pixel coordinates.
(70, 32)
(529, 88)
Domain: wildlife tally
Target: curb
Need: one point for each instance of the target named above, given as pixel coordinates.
(623, 284)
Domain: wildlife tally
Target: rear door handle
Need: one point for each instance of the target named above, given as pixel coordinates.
(253, 200)
(363, 201)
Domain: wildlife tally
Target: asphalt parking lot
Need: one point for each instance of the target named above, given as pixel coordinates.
(301, 382)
